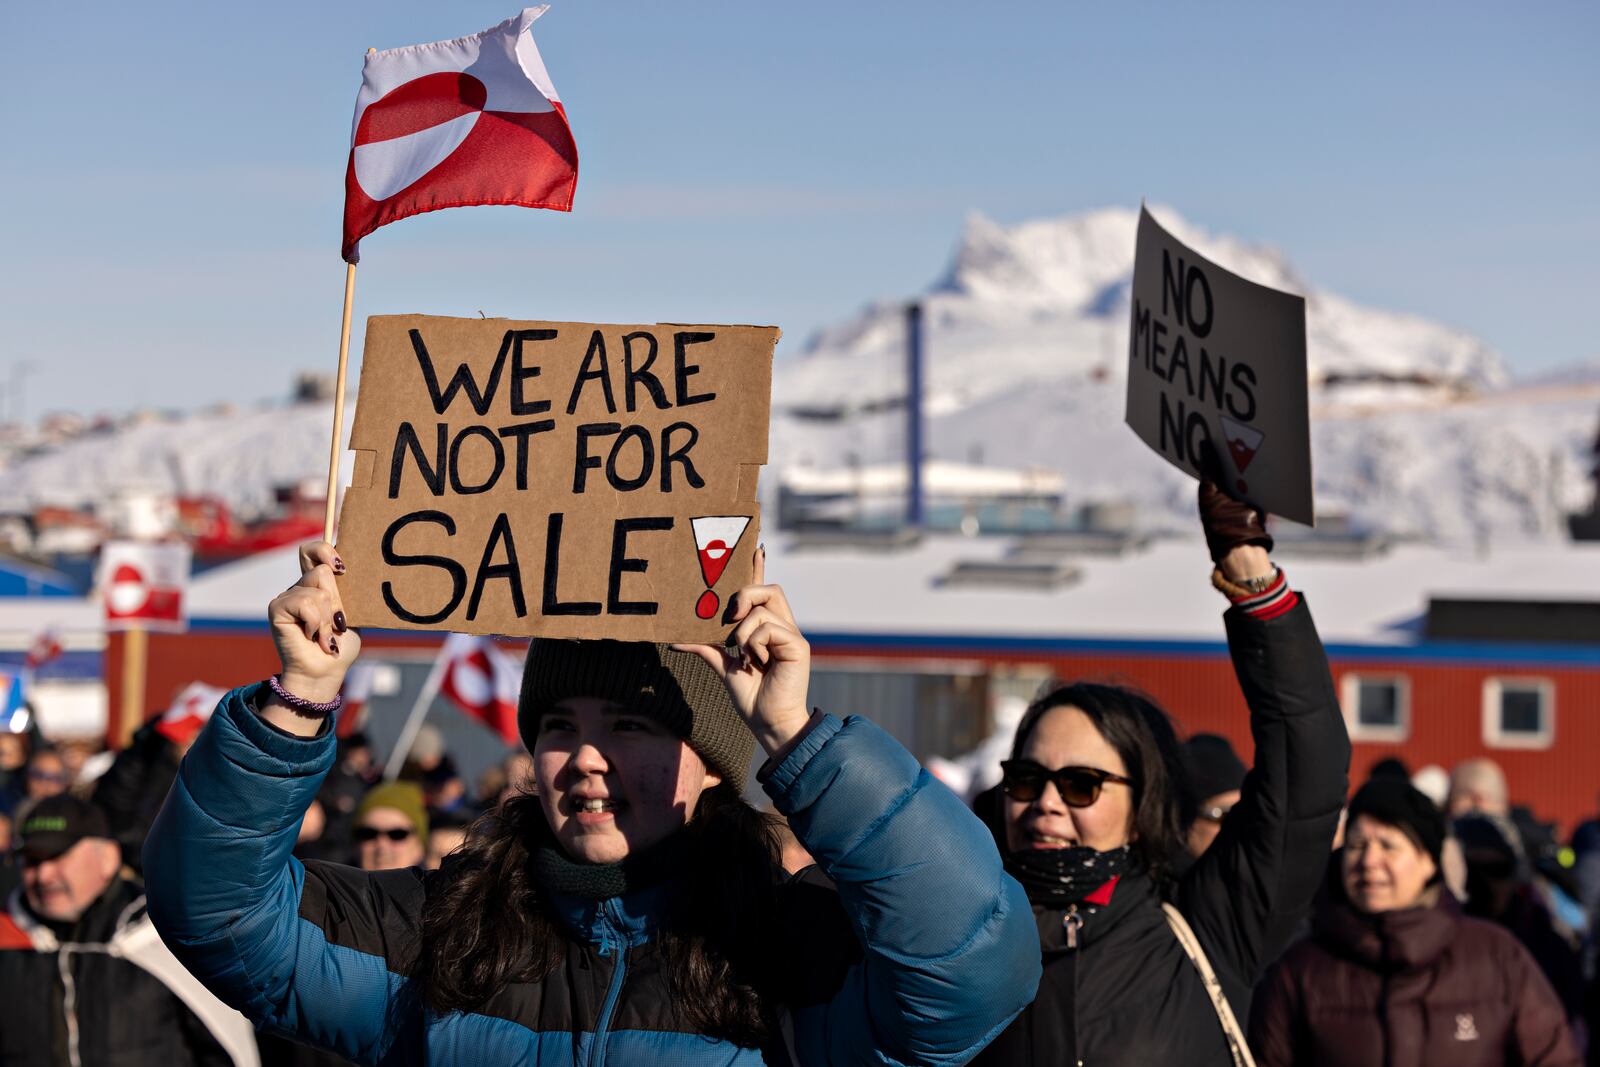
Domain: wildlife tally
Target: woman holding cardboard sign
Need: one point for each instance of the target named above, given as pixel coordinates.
(1143, 965)
(632, 909)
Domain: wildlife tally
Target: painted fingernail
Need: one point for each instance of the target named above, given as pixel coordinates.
(333, 645)
(338, 622)
(338, 565)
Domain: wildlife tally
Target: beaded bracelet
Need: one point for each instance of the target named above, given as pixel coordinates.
(1247, 588)
(302, 706)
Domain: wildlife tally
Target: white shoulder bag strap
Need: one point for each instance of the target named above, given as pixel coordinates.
(1197, 956)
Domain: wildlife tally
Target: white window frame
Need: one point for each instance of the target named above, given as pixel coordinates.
(1350, 698)
(1493, 690)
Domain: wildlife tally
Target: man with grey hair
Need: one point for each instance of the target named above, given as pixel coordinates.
(83, 975)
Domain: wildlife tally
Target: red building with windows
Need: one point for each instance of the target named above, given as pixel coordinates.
(1438, 654)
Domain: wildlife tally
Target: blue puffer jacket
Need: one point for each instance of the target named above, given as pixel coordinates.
(944, 951)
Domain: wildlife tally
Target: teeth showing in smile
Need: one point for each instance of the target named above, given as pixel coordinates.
(594, 805)
(1046, 839)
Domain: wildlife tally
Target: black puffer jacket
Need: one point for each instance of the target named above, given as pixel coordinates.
(133, 788)
(1128, 995)
(78, 1006)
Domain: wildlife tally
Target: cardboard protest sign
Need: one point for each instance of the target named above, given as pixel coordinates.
(555, 479)
(1213, 358)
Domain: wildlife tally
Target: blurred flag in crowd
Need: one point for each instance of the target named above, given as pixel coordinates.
(484, 680)
(469, 121)
(13, 706)
(144, 585)
(182, 722)
(357, 693)
(46, 647)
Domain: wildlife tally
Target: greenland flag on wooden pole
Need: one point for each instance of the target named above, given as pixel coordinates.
(456, 123)
(484, 681)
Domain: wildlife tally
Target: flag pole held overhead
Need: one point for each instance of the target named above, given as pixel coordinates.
(334, 448)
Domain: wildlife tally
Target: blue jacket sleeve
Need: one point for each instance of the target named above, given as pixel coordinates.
(950, 953)
(227, 895)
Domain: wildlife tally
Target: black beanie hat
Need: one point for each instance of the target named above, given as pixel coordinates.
(1212, 767)
(677, 689)
(1394, 802)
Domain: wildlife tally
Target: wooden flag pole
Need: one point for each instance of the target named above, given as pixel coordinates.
(135, 658)
(335, 449)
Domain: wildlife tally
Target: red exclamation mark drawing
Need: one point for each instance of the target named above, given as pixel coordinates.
(715, 537)
(1243, 444)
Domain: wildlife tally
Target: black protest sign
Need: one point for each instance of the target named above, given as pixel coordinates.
(1214, 359)
(554, 479)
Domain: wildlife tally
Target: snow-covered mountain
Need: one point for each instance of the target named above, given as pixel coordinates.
(1046, 299)
(1415, 429)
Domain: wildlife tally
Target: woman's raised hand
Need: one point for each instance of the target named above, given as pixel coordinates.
(766, 664)
(315, 646)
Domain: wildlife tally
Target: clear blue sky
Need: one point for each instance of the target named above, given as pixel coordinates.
(173, 173)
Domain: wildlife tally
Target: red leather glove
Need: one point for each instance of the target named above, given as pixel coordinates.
(1228, 523)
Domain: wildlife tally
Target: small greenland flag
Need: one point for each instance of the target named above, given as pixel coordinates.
(456, 123)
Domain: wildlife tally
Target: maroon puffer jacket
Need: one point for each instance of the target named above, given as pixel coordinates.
(1416, 988)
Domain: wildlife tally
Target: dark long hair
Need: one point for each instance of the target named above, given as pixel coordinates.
(1140, 731)
(484, 925)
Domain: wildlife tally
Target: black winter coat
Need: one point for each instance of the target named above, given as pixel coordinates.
(112, 1014)
(133, 788)
(1128, 995)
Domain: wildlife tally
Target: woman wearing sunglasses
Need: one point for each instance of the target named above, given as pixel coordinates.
(1094, 830)
(630, 909)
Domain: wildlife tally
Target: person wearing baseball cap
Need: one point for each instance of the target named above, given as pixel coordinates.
(83, 976)
(630, 906)
(69, 857)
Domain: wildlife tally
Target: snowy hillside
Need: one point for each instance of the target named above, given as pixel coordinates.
(1025, 345)
(1026, 342)
(238, 457)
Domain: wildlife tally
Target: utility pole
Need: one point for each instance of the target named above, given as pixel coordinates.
(914, 501)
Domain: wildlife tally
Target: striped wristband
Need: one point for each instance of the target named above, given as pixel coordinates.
(1276, 599)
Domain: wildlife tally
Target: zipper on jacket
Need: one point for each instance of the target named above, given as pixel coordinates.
(597, 1050)
(1072, 922)
(69, 1004)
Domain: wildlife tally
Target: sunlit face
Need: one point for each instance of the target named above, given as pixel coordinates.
(385, 840)
(62, 888)
(1066, 737)
(612, 781)
(1384, 870)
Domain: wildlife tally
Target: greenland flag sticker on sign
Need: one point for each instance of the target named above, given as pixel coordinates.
(469, 121)
(714, 539)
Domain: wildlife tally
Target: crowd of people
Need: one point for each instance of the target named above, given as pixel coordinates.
(1124, 896)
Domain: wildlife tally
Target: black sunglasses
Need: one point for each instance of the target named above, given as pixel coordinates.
(1079, 786)
(363, 834)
